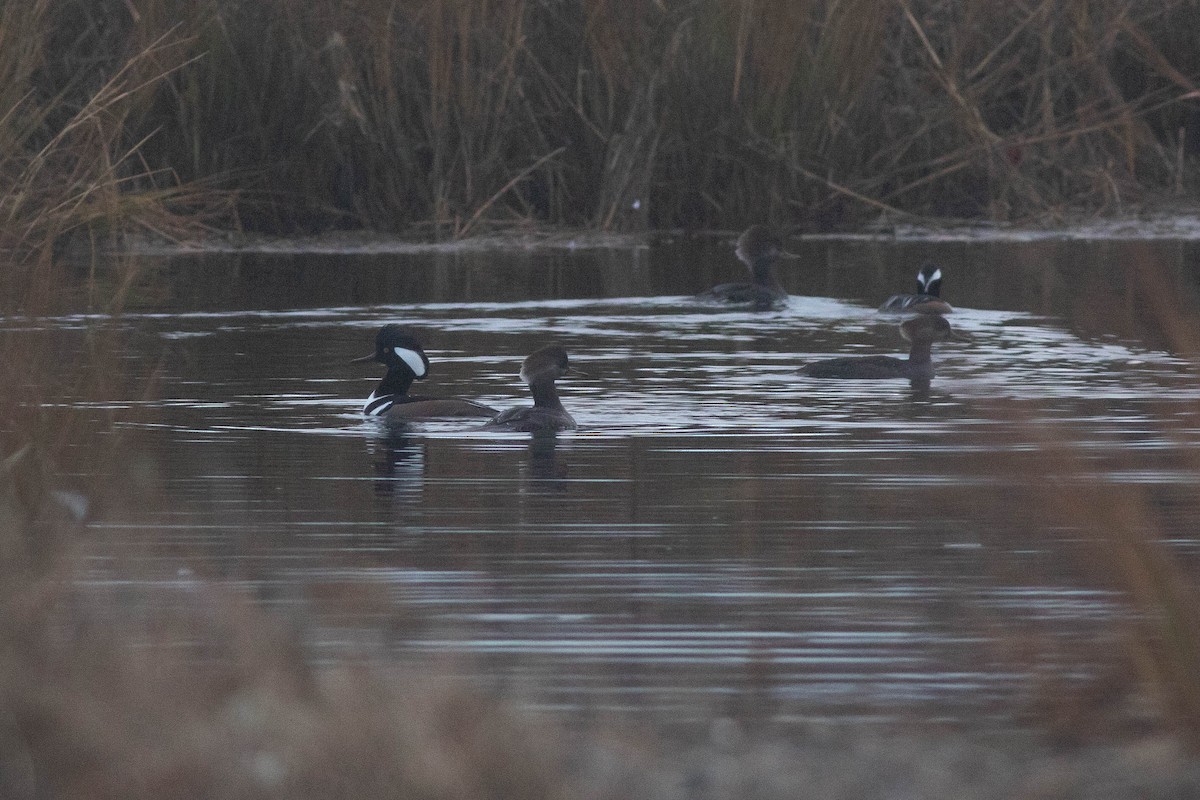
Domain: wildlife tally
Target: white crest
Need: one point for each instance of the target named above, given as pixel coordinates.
(412, 358)
(936, 276)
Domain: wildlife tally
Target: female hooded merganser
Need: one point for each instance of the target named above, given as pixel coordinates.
(539, 370)
(926, 300)
(758, 248)
(406, 362)
(921, 331)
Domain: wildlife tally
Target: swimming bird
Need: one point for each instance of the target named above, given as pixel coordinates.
(540, 370)
(759, 247)
(400, 351)
(926, 300)
(920, 331)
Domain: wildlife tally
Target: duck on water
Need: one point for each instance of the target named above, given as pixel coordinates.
(926, 300)
(921, 332)
(539, 371)
(400, 351)
(759, 247)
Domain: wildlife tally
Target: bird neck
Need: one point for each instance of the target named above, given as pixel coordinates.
(544, 394)
(920, 352)
(760, 270)
(396, 382)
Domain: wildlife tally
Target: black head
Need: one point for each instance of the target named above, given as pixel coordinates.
(926, 328)
(757, 244)
(929, 279)
(396, 348)
(549, 363)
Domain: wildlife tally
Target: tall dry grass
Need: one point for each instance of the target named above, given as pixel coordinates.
(206, 696)
(440, 116)
(72, 130)
(1132, 527)
(1127, 532)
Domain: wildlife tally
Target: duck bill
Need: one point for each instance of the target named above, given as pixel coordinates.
(363, 360)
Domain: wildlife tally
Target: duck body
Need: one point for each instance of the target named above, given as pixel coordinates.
(927, 298)
(869, 368)
(921, 332)
(532, 419)
(759, 247)
(411, 406)
(758, 297)
(540, 370)
(406, 361)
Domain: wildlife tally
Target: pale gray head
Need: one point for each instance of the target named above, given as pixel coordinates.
(759, 243)
(548, 363)
(927, 328)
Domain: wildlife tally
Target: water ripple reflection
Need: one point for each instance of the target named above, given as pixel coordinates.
(720, 534)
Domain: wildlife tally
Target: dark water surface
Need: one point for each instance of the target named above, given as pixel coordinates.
(721, 535)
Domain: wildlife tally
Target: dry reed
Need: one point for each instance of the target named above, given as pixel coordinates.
(69, 162)
(440, 116)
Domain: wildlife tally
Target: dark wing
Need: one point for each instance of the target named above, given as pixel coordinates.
(760, 298)
(509, 416)
(916, 304)
(414, 407)
(527, 419)
(870, 367)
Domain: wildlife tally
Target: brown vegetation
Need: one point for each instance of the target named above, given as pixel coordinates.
(191, 690)
(438, 116)
(69, 159)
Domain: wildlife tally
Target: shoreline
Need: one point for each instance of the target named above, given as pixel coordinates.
(1178, 224)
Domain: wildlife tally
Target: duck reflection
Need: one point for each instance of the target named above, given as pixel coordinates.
(920, 388)
(932, 403)
(399, 461)
(546, 470)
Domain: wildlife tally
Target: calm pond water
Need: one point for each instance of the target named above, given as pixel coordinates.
(721, 535)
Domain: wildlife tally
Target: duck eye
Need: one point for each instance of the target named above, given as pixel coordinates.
(412, 358)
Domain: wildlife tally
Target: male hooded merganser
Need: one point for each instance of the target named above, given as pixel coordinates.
(406, 362)
(921, 331)
(926, 300)
(758, 248)
(539, 370)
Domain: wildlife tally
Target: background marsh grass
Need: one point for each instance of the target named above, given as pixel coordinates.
(440, 115)
(70, 159)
